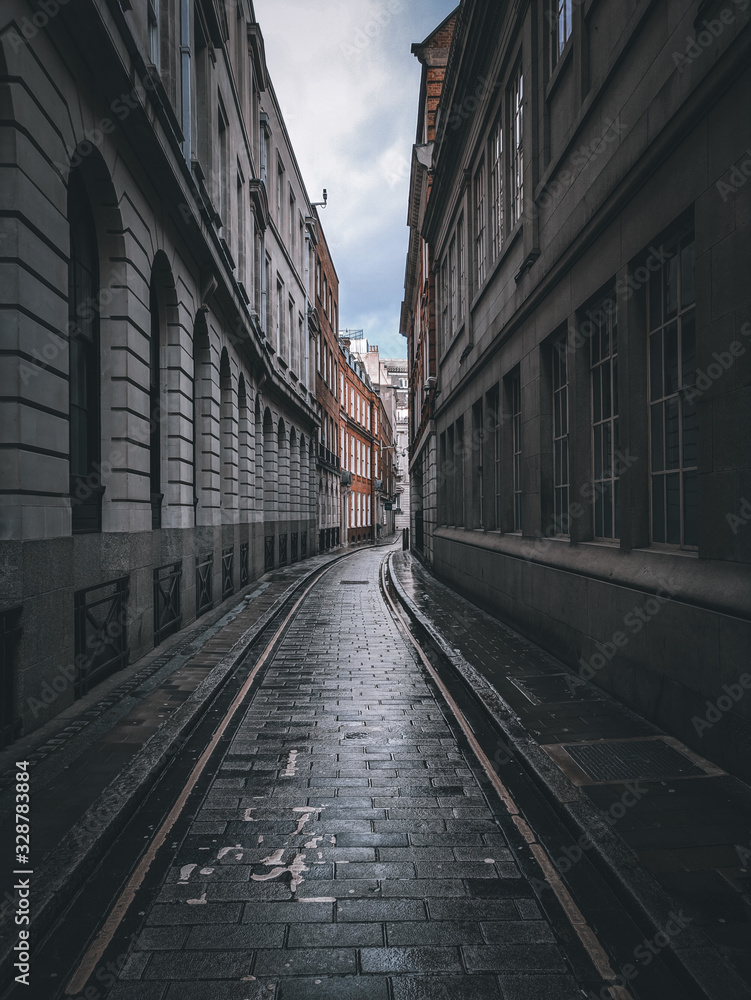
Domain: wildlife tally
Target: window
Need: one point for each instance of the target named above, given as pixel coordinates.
(560, 437)
(292, 221)
(445, 329)
(83, 327)
(452, 285)
(480, 227)
(279, 196)
(224, 172)
(459, 498)
(153, 14)
(462, 271)
(496, 425)
(155, 430)
(561, 23)
(240, 229)
(279, 315)
(496, 191)
(301, 228)
(605, 443)
(291, 348)
(477, 470)
(672, 411)
(515, 394)
(517, 146)
(266, 294)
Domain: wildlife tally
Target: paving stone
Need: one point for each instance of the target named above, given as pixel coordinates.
(437, 932)
(380, 909)
(449, 988)
(505, 958)
(540, 988)
(161, 938)
(137, 991)
(189, 965)
(341, 935)
(410, 960)
(245, 936)
(212, 913)
(472, 909)
(305, 962)
(221, 990)
(333, 988)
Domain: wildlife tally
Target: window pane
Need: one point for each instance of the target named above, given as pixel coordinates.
(658, 456)
(655, 366)
(658, 508)
(598, 451)
(687, 275)
(671, 359)
(596, 394)
(671, 287)
(691, 508)
(690, 434)
(688, 348)
(673, 507)
(672, 449)
(655, 301)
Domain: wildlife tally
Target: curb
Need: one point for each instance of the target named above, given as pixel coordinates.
(693, 956)
(58, 879)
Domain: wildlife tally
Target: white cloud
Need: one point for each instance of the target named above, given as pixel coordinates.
(348, 87)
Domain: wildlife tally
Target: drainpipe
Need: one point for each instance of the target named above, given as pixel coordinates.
(185, 75)
(307, 306)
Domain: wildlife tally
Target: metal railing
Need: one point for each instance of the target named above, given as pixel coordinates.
(100, 619)
(167, 600)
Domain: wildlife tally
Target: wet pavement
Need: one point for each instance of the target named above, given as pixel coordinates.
(688, 826)
(348, 845)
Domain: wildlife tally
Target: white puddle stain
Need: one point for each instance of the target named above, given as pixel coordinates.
(313, 843)
(247, 817)
(291, 770)
(197, 902)
(275, 858)
(226, 850)
(185, 872)
(207, 871)
(316, 899)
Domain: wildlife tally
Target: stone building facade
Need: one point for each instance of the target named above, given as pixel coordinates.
(158, 384)
(589, 221)
(418, 319)
(327, 382)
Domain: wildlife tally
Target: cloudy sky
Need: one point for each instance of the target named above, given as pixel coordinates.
(348, 86)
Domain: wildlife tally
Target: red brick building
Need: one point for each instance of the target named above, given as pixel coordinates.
(359, 416)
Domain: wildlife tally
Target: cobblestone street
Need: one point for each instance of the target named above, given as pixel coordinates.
(346, 842)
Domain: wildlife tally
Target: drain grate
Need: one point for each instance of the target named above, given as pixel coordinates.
(354, 583)
(653, 759)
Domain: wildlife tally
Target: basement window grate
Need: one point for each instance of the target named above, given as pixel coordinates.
(649, 759)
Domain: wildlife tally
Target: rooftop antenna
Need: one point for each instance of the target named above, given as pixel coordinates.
(322, 204)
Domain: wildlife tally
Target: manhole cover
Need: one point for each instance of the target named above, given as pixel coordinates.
(355, 583)
(632, 759)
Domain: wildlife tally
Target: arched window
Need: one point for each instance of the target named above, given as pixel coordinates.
(155, 411)
(83, 329)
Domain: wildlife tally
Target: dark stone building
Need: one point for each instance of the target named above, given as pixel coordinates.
(589, 220)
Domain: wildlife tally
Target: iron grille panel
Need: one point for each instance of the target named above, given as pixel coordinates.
(268, 553)
(283, 550)
(294, 550)
(244, 565)
(100, 619)
(303, 544)
(204, 584)
(167, 600)
(228, 572)
(10, 637)
(630, 759)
